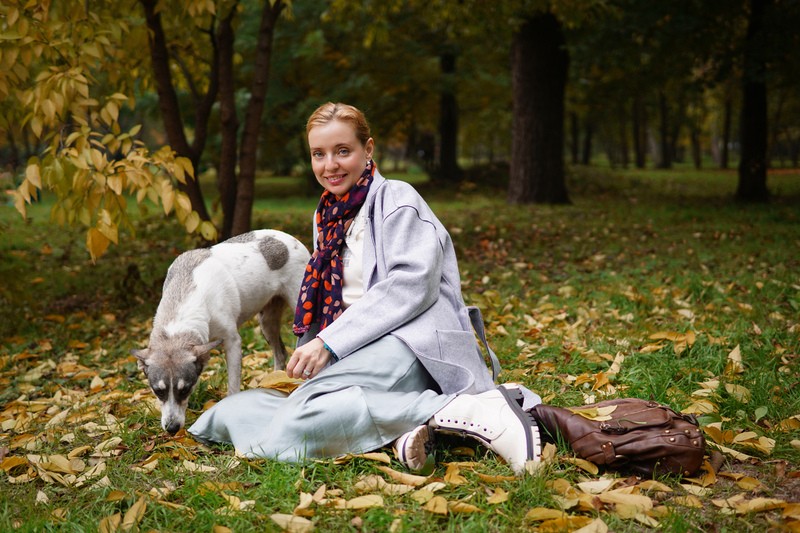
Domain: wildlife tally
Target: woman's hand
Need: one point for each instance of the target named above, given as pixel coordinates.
(308, 360)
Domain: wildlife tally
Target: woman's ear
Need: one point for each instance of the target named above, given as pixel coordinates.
(369, 147)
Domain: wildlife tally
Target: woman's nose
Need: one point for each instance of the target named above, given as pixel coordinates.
(331, 161)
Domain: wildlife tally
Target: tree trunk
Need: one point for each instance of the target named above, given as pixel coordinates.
(639, 132)
(229, 126)
(666, 155)
(168, 104)
(726, 133)
(539, 65)
(623, 138)
(753, 164)
(697, 151)
(449, 171)
(252, 120)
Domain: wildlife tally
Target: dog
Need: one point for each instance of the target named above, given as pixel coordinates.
(207, 295)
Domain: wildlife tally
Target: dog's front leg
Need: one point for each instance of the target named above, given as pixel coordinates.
(233, 357)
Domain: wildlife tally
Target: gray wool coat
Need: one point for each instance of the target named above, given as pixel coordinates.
(412, 290)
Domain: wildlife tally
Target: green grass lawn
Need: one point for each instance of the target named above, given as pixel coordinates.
(652, 284)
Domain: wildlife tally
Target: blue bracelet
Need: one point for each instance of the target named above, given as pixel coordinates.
(333, 354)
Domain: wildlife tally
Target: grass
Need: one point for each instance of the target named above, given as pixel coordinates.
(564, 291)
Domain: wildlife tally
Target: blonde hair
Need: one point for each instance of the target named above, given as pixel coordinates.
(343, 112)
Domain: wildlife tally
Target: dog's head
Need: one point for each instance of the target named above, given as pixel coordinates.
(172, 369)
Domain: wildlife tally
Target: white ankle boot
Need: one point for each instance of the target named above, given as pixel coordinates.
(412, 448)
(496, 419)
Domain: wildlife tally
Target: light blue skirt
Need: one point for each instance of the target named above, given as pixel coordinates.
(359, 404)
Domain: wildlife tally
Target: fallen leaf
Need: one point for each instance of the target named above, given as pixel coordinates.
(406, 479)
(436, 505)
(462, 508)
(583, 464)
(292, 523)
(594, 413)
(453, 475)
(498, 496)
(538, 514)
(134, 515)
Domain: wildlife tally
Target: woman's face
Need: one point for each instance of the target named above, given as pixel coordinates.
(337, 156)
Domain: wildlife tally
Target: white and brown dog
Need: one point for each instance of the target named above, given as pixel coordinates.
(208, 293)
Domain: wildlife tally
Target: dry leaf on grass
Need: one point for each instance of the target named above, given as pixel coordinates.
(292, 523)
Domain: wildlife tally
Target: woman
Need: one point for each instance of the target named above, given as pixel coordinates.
(386, 343)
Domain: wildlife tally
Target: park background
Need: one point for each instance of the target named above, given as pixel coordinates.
(620, 179)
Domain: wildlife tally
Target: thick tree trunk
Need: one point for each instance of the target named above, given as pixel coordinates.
(449, 171)
(753, 164)
(168, 104)
(229, 126)
(539, 76)
(252, 120)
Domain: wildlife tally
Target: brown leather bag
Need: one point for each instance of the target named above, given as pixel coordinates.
(641, 436)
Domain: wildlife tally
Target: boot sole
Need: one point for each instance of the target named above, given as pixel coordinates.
(533, 440)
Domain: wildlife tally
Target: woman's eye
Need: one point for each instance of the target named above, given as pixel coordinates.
(316, 154)
(344, 151)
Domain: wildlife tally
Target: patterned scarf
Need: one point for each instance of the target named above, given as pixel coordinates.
(321, 292)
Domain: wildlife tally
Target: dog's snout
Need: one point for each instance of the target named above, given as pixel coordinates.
(173, 427)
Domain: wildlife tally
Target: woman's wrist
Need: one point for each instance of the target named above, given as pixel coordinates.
(333, 354)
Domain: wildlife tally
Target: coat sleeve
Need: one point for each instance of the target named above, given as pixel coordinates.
(412, 253)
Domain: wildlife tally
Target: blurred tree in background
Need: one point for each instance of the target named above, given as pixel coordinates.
(101, 102)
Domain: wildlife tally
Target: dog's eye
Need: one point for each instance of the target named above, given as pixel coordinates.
(161, 394)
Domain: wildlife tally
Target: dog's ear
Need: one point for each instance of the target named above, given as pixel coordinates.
(202, 352)
(141, 358)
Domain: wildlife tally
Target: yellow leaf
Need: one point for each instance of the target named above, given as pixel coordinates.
(641, 502)
(436, 505)
(365, 502)
(192, 222)
(462, 508)
(597, 486)
(208, 230)
(110, 524)
(538, 514)
(595, 526)
(749, 483)
(652, 484)
(96, 243)
(793, 422)
(583, 464)
(400, 477)
(594, 413)
(134, 515)
(279, 380)
(759, 505)
(650, 348)
(453, 475)
(33, 176)
(115, 496)
(498, 496)
(380, 457)
(567, 523)
(739, 392)
(688, 501)
(292, 524)
(734, 365)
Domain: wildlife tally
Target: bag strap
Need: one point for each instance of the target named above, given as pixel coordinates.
(477, 324)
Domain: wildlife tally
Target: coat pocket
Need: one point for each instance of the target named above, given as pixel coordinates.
(454, 344)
